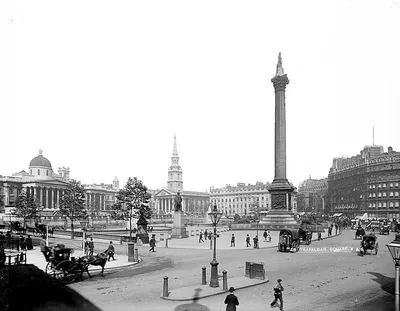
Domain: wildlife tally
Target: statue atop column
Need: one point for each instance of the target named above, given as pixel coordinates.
(279, 68)
(178, 202)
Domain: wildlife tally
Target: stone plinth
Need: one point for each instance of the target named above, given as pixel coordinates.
(178, 230)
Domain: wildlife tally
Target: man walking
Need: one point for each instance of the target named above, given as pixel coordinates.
(91, 247)
(231, 301)
(201, 237)
(248, 241)
(255, 240)
(233, 240)
(265, 234)
(152, 244)
(278, 289)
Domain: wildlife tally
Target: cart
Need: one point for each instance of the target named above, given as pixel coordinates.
(369, 243)
(359, 233)
(60, 266)
(289, 240)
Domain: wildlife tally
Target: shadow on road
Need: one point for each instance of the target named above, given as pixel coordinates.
(194, 305)
(387, 283)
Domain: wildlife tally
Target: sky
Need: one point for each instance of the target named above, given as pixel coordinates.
(102, 87)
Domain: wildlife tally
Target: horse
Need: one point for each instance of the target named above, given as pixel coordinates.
(99, 259)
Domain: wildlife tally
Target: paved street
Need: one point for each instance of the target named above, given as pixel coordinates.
(324, 280)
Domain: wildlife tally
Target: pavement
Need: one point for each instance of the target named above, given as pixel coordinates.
(183, 293)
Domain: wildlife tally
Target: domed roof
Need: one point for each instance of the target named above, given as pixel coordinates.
(40, 160)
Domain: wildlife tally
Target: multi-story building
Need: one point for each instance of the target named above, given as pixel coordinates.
(241, 199)
(194, 203)
(312, 196)
(47, 187)
(366, 183)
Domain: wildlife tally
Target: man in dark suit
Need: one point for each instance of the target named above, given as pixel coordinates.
(278, 289)
(231, 301)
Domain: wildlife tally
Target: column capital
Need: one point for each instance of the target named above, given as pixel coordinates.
(280, 82)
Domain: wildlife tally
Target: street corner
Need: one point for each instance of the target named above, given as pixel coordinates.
(196, 292)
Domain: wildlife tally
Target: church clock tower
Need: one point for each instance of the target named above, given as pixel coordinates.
(175, 182)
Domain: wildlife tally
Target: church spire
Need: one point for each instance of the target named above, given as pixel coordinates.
(175, 151)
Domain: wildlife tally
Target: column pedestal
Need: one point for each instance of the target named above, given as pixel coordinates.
(178, 229)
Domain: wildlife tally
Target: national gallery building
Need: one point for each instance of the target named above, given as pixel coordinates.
(47, 187)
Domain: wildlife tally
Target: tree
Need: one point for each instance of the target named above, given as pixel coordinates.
(26, 207)
(133, 201)
(72, 203)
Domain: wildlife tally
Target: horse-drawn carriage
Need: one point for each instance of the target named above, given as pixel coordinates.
(17, 226)
(289, 240)
(384, 229)
(67, 269)
(360, 232)
(305, 236)
(369, 243)
(373, 226)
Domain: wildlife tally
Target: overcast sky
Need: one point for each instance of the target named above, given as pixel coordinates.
(103, 86)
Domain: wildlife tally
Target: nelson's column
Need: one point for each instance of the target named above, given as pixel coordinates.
(280, 215)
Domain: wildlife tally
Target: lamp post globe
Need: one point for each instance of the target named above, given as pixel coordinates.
(215, 216)
(394, 249)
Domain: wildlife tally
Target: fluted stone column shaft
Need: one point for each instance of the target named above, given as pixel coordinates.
(280, 83)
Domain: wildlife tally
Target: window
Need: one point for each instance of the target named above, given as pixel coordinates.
(370, 205)
(379, 186)
(373, 195)
(38, 172)
(379, 204)
(391, 204)
(47, 172)
(391, 194)
(384, 204)
(396, 184)
(384, 185)
(31, 172)
(384, 194)
(379, 195)
(396, 204)
(396, 194)
(391, 185)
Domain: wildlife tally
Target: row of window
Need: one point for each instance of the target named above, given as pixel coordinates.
(383, 194)
(241, 199)
(38, 172)
(391, 185)
(384, 204)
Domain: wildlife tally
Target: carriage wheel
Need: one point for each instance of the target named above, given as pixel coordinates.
(376, 248)
(67, 271)
(49, 268)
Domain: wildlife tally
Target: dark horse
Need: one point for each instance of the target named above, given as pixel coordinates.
(95, 260)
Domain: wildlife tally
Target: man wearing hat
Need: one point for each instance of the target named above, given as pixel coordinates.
(231, 301)
(278, 289)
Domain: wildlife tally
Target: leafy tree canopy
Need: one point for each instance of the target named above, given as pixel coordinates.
(26, 206)
(133, 201)
(72, 202)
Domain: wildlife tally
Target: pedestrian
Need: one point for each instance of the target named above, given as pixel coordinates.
(233, 240)
(201, 237)
(91, 247)
(265, 235)
(28, 242)
(319, 236)
(269, 236)
(85, 247)
(110, 251)
(43, 247)
(248, 241)
(336, 228)
(206, 234)
(278, 289)
(231, 301)
(22, 243)
(209, 235)
(153, 244)
(255, 240)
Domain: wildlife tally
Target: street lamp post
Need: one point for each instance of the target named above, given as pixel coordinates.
(84, 223)
(394, 249)
(215, 216)
(257, 222)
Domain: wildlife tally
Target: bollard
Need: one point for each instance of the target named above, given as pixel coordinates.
(211, 244)
(224, 280)
(131, 249)
(165, 287)
(136, 255)
(203, 276)
(251, 271)
(166, 243)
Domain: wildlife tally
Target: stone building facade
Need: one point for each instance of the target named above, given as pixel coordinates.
(194, 203)
(312, 196)
(366, 183)
(48, 187)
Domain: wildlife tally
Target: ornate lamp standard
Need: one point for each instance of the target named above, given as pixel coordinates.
(84, 224)
(394, 249)
(215, 216)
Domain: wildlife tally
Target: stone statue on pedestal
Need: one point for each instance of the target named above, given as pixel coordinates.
(279, 68)
(178, 202)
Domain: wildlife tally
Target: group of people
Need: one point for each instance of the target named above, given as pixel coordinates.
(24, 243)
(89, 247)
(207, 235)
(232, 301)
